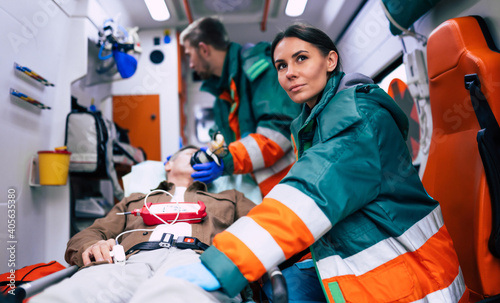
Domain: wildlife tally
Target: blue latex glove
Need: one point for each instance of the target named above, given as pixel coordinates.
(195, 273)
(207, 172)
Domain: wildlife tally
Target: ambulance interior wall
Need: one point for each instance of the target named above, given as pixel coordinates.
(156, 79)
(368, 47)
(149, 79)
(197, 100)
(51, 38)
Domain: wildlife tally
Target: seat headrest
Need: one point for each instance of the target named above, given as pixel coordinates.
(455, 48)
(453, 39)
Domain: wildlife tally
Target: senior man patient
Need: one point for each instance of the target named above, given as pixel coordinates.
(100, 280)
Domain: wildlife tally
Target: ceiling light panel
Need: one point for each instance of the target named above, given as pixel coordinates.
(295, 8)
(158, 9)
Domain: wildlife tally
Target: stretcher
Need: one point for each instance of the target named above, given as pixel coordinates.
(27, 290)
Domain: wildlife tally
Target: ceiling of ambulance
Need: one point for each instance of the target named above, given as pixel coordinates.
(245, 20)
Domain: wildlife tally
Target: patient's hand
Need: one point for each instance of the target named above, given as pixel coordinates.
(98, 252)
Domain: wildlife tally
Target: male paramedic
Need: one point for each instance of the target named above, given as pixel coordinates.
(251, 110)
(150, 250)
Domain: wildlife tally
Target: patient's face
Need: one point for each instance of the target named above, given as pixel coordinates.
(180, 166)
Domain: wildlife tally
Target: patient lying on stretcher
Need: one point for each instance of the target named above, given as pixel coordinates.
(150, 250)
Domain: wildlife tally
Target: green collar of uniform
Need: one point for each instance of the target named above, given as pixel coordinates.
(339, 111)
(334, 112)
(308, 114)
(330, 90)
(216, 85)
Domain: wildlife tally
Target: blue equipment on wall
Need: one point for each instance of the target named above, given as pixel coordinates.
(119, 45)
(125, 63)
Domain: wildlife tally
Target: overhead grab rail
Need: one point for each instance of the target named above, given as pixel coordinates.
(264, 16)
(188, 11)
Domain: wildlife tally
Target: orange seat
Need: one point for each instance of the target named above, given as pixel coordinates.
(454, 173)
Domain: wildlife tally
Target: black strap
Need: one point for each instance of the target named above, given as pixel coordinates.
(484, 115)
(167, 241)
(144, 246)
(488, 139)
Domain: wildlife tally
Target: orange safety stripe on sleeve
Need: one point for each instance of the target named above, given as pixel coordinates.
(411, 276)
(286, 228)
(268, 184)
(271, 151)
(248, 264)
(295, 148)
(241, 158)
(234, 123)
(226, 96)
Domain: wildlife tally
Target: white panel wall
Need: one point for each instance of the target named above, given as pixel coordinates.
(36, 34)
(51, 38)
(161, 79)
(368, 45)
(196, 100)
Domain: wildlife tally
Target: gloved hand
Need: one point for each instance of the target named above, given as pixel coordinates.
(195, 273)
(207, 172)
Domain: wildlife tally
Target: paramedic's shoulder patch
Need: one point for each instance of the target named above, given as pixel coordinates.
(256, 60)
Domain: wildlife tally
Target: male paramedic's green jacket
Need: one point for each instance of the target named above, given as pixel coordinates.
(254, 114)
(355, 198)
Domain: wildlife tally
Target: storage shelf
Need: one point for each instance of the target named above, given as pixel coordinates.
(32, 74)
(28, 99)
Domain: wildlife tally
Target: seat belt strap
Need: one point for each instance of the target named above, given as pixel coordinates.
(167, 241)
(488, 139)
(484, 115)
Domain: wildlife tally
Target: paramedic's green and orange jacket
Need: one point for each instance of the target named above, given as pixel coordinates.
(254, 114)
(355, 198)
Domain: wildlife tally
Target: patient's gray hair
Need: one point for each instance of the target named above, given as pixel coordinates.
(177, 153)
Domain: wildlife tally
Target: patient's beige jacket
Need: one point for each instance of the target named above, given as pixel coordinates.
(222, 210)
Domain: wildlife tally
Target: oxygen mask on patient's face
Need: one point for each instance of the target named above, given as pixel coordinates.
(201, 156)
(217, 149)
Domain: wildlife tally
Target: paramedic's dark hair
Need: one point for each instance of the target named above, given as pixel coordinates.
(310, 34)
(177, 153)
(208, 30)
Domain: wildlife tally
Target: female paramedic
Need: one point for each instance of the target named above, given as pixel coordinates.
(353, 195)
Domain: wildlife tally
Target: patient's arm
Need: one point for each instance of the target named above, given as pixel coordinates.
(104, 229)
(98, 252)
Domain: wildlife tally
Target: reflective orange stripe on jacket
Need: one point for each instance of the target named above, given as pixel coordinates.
(233, 99)
(298, 223)
(266, 154)
(427, 274)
